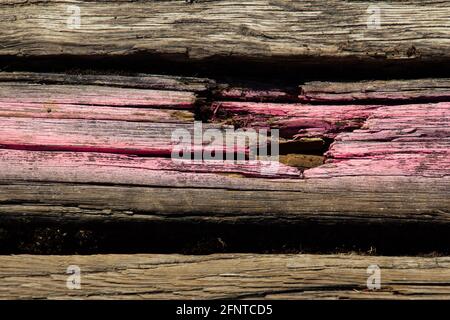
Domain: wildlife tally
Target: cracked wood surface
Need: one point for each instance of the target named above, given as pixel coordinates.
(138, 81)
(400, 91)
(89, 167)
(302, 30)
(94, 95)
(296, 120)
(387, 162)
(109, 136)
(330, 200)
(226, 276)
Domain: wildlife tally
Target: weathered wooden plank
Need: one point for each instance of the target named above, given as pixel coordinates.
(376, 90)
(61, 110)
(138, 81)
(390, 169)
(299, 120)
(255, 92)
(94, 95)
(143, 138)
(331, 200)
(98, 97)
(103, 168)
(229, 276)
(405, 129)
(307, 121)
(396, 147)
(368, 149)
(318, 29)
(433, 164)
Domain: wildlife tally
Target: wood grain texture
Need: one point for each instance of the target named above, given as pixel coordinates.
(256, 92)
(369, 139)
(367, 199)
(388, 162)
(80, 106)
(103, 168)
(318, 121)
(138, 81)
(141, 138)
(94, 95)
(317, 29)
(57, 110)
(411, 163)
(381, 90)
(292, 119)
(140, 98)
(224, 276)
(420, 129)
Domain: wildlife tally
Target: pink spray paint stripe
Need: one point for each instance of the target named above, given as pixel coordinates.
(300, 120)
(429, 165)
(405, 129)
(123, 137)
(294, 120)
(121, 169)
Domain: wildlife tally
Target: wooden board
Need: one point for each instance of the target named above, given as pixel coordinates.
(85, 161)
(93, 159)
(94, 95)
(315, 30)
(137, 81)
(391, 91)
(224, 276)
(139, 138)
(368, 199)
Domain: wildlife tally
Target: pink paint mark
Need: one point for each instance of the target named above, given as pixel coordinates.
(115, 168)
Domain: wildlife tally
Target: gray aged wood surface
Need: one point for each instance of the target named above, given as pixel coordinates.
(224, 276)
(318, 29)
